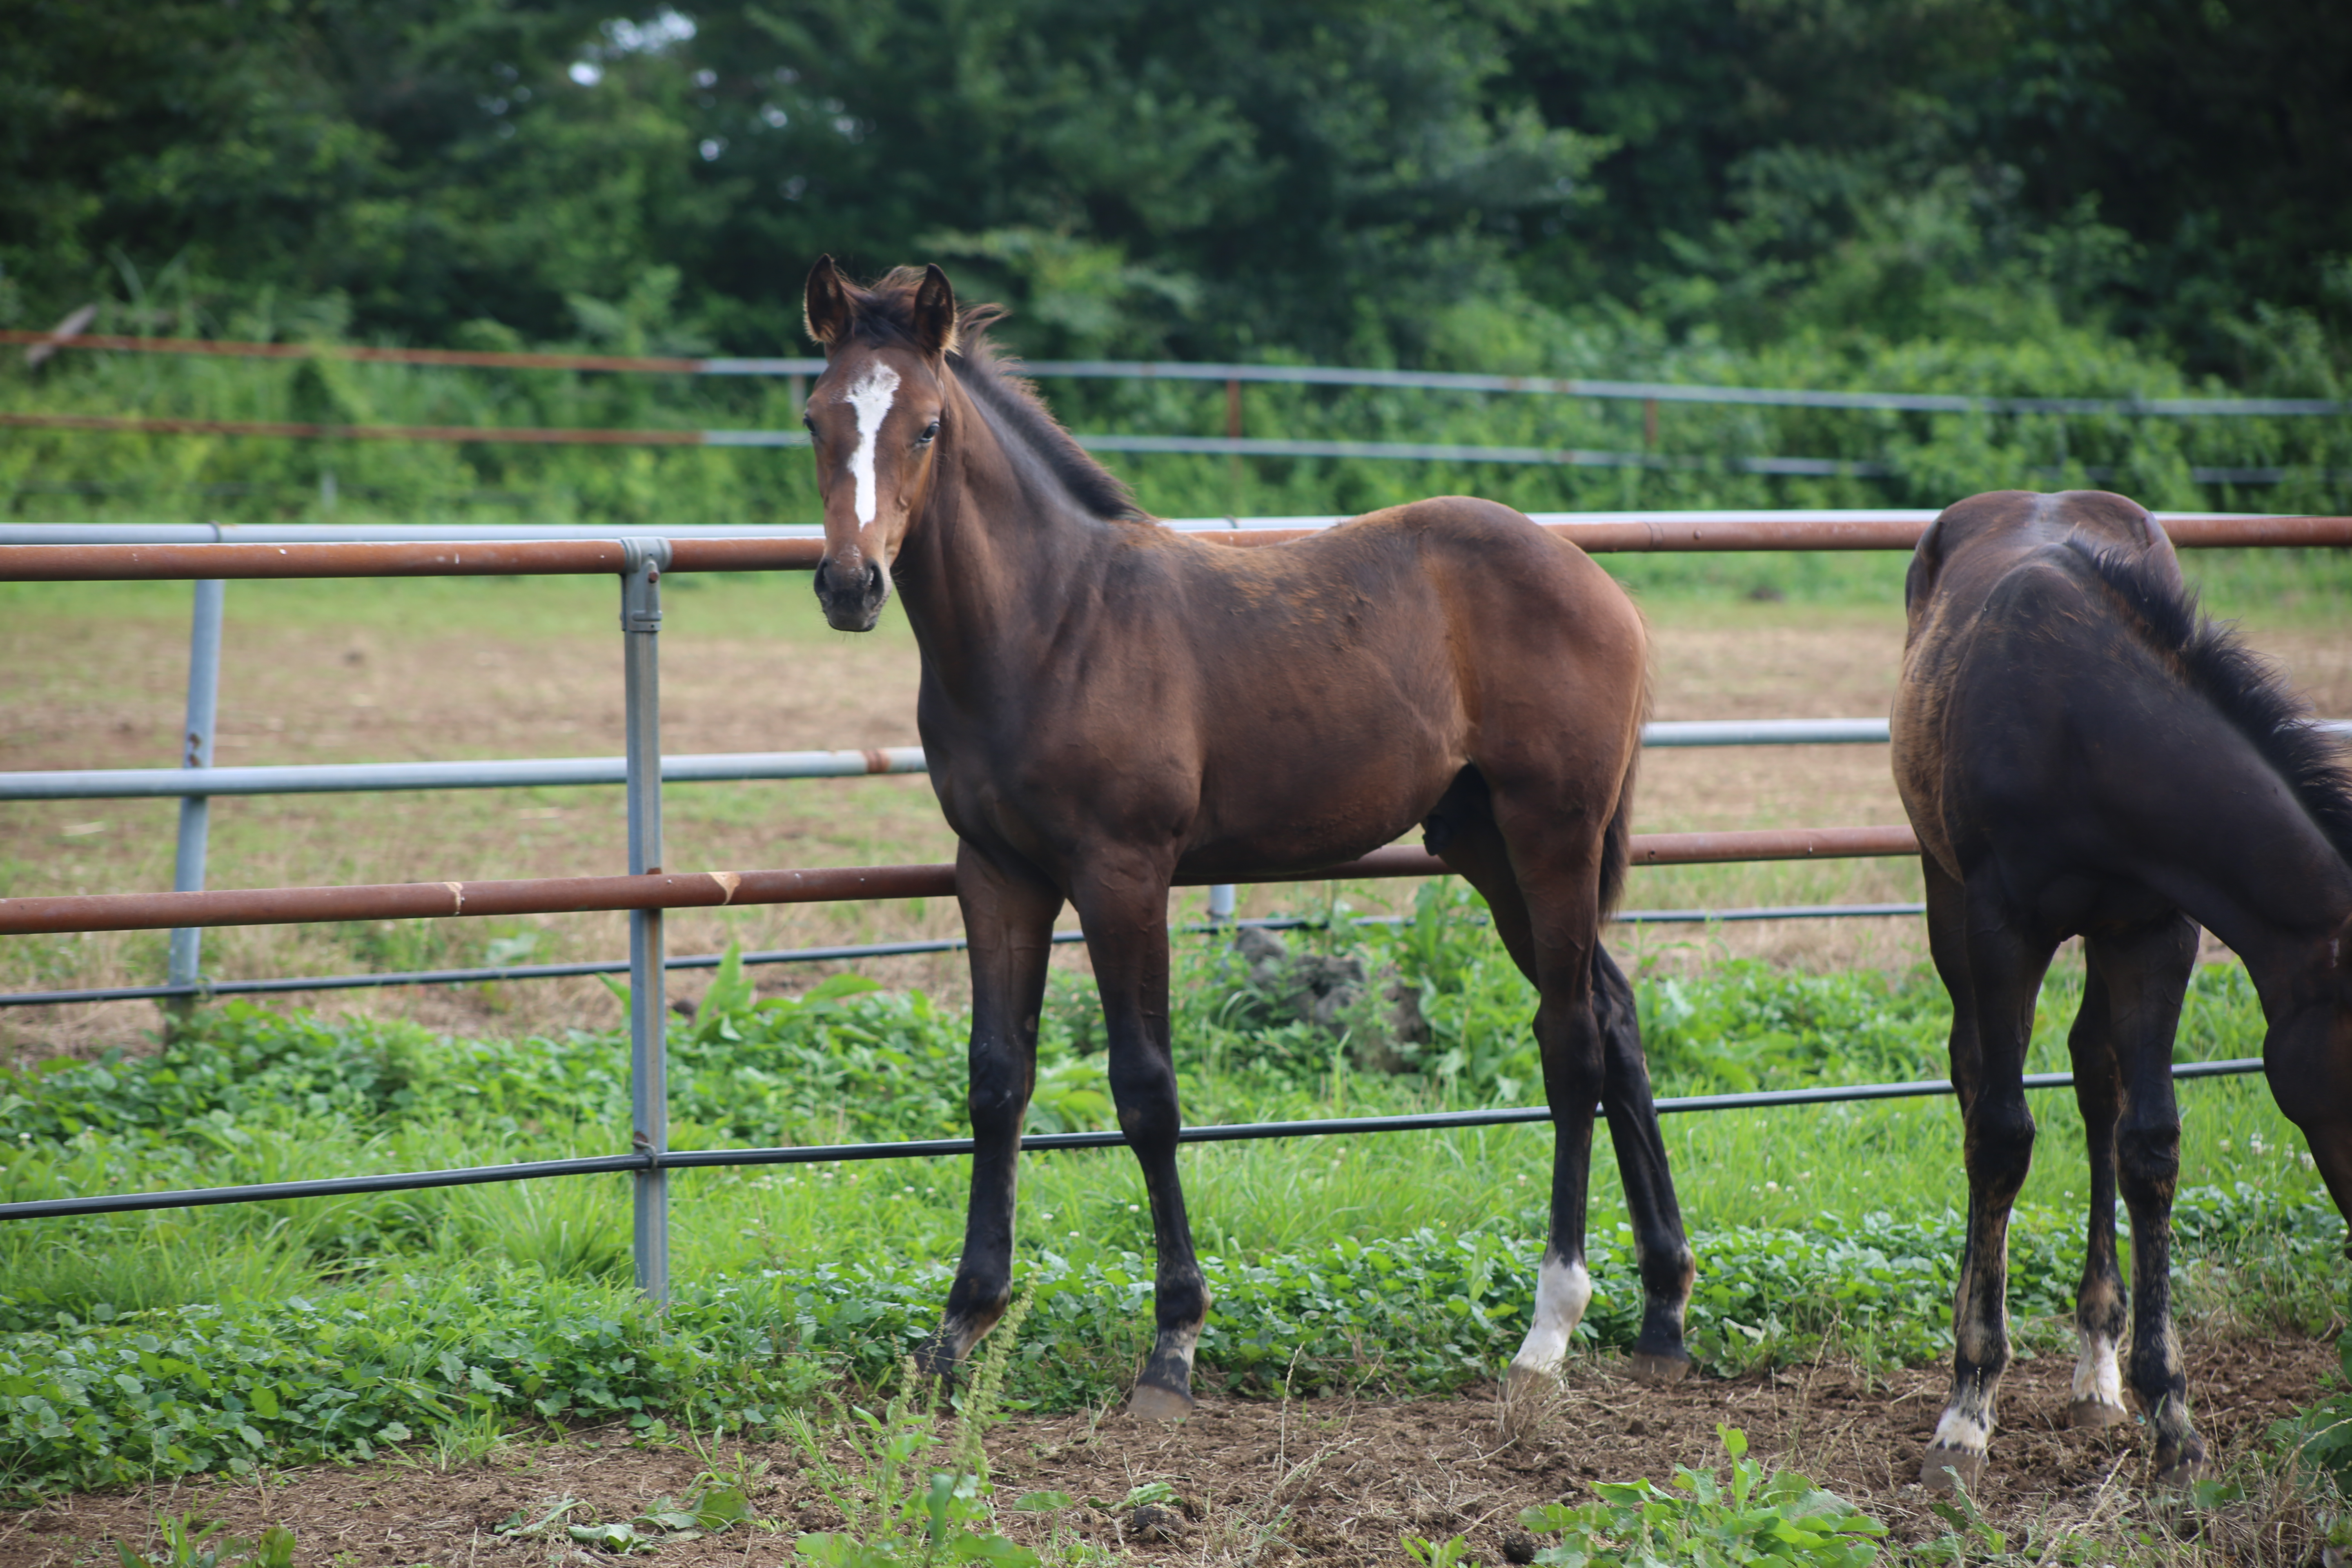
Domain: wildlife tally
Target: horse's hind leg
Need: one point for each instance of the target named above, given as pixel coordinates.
(2002, 969)
(1592, 1051)
(2147, 971)
(1009, 921)
(2100, 1299)
(1661, 1254)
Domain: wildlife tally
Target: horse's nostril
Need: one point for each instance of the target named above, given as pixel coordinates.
(873, 579)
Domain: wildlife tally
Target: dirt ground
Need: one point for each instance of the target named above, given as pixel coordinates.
(1320, 1480)
(320, 679)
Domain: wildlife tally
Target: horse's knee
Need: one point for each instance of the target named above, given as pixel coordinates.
(995, 1109)
(1144, 1089)
(2000, 1144)
(1149, 1120)
(2148, 1160)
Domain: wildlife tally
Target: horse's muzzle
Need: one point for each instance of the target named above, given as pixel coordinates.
(852, 601)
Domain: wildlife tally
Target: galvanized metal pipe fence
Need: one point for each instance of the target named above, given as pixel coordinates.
(648, 889)
(1188, 370)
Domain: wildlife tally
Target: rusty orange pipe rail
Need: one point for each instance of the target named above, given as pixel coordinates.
(147, 562)
(714, 890)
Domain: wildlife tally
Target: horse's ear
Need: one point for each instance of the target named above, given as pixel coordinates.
(935, 313)
(825, 310)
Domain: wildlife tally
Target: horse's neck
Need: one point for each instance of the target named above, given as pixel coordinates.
(2283, 926)
(997, 534)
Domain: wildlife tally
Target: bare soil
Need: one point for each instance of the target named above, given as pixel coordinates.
(1324, 1480)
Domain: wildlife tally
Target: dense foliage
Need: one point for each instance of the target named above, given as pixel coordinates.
(1372, 182)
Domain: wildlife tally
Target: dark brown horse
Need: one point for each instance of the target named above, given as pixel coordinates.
(1108, 704)
(2083, 754)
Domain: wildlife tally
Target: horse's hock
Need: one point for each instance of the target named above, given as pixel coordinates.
(1380, 1015)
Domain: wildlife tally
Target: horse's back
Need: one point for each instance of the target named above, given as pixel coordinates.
(1488, 559)
(1389, 652)
(1972, 543)
(2028, 688)
(1474, 573)
(1529, 616)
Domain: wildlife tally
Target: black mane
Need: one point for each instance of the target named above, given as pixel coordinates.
(1015, 401)
(2251, 691)
(884, 315)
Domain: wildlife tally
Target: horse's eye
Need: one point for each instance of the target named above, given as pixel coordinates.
(930, 431)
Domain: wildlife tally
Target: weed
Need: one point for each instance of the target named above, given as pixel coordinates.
(917, 1497)
(191, 1543)
(1747, 1517)
(1448, 1553)
(460, 1443)
(708, 1507)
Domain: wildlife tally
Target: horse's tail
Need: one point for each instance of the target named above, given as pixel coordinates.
(1617, 845)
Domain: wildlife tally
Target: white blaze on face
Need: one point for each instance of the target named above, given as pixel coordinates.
(1562, 1292)
(871, 397)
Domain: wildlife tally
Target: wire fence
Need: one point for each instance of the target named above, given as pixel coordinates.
(1233, 444)
(947, 1148)
(1180, 370)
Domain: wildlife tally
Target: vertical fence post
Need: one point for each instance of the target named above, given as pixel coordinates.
(1233, 432)
(648, 1026)
(196, 810)
(1220, 896)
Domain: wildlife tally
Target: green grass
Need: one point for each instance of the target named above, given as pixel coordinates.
(1393, 1263)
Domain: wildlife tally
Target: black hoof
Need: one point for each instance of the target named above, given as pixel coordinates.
(1945, 1468)
(1659, 1366)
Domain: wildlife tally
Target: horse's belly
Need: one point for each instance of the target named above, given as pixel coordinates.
(1242, 830)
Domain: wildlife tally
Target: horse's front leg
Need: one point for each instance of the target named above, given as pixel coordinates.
(2146, 974)
(2004, 971)
(1124, 912)
(1008, 918)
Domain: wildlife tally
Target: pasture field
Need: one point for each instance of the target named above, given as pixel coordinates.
(458, 1334)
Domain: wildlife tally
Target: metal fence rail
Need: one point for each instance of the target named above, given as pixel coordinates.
(1199, 446)
(653, 1164)
(652, 889)
(487, 974)
(1182, 370)
(325, 778)
(1674, 533)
